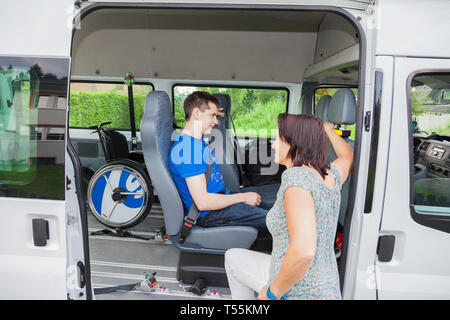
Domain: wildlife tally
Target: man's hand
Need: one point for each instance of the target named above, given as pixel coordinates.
(251, 198)
(220, 113)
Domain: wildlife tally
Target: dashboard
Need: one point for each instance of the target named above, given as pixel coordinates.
(433, 156)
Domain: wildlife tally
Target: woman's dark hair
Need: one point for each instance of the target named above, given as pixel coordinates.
(198, 99)
(307, 139)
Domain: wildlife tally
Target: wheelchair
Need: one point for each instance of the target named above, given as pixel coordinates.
(120, 193)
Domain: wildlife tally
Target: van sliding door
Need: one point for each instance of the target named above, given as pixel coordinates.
(35, 188)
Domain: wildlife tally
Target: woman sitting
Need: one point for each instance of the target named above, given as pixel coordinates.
(302, 221)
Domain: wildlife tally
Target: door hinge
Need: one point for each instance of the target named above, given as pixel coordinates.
(367, 118)
(68, 182)
(71, 219)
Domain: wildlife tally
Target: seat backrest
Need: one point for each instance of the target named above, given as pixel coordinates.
(157, 134)
(225, 150)
(342, 110)
(322, 108)
(117, 145)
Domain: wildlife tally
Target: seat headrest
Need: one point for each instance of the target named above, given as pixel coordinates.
(157, 122)
(322, 108)
(157, 104)
(342, 108)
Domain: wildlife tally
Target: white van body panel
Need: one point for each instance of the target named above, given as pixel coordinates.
(27, 271)
(412, 28)
(36, 28)
(419, 267)
(360, 277)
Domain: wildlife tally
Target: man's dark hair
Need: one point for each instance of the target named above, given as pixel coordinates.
(307, 139)
(198, 99)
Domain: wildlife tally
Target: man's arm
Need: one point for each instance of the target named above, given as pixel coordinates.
(216, 201)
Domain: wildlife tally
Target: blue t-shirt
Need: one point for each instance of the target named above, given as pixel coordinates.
(189, 157)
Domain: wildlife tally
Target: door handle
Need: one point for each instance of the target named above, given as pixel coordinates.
(385, 248)
(40, 232)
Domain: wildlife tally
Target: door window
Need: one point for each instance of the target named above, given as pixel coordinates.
(429, 103)
(33, 99)
(254, 111)
(92, 103)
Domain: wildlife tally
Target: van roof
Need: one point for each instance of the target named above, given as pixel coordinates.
(214, 44)
(349, 4)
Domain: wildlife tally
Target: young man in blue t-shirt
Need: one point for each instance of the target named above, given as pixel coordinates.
(188, 162)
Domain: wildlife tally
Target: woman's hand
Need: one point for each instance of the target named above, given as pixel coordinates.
(262, 294)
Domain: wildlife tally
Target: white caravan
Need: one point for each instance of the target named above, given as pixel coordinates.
(394, 55)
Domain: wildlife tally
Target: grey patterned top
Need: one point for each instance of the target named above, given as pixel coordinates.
(321, 281)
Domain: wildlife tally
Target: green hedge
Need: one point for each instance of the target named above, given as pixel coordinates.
(93, 108)
(252, 112)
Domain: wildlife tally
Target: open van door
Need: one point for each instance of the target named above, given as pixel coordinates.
(414, 242)
(37, 185)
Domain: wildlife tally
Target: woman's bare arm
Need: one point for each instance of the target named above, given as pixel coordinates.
(343, 151)
(301, 222)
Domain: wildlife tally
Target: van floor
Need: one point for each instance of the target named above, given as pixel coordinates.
(118, 261)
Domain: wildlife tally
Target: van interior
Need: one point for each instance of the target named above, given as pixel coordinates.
(304, 61)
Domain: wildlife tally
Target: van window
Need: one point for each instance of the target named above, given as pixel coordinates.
(429, 105)
(254, 111)
(92, 103)
(320, 92)
(33, 99)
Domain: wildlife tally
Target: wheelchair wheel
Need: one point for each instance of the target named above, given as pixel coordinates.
(120, 194)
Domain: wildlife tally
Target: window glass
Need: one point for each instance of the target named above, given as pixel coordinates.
(94, 103)
(320, 92)
(33, 99)
(430, 114)
(254, 112)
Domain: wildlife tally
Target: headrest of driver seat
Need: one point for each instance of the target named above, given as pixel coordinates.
(342, 108)
(322, 108)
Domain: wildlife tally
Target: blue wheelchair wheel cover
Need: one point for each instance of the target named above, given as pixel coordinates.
(130, 191)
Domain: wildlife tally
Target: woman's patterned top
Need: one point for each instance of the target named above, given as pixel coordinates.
(321, 281)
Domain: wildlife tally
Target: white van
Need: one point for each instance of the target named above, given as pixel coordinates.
(60, 60)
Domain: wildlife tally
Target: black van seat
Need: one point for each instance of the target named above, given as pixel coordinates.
(116, 145)
(342, 111)
(157, 134)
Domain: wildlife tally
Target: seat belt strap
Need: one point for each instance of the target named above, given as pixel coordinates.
(236, 149)
(191, 219)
